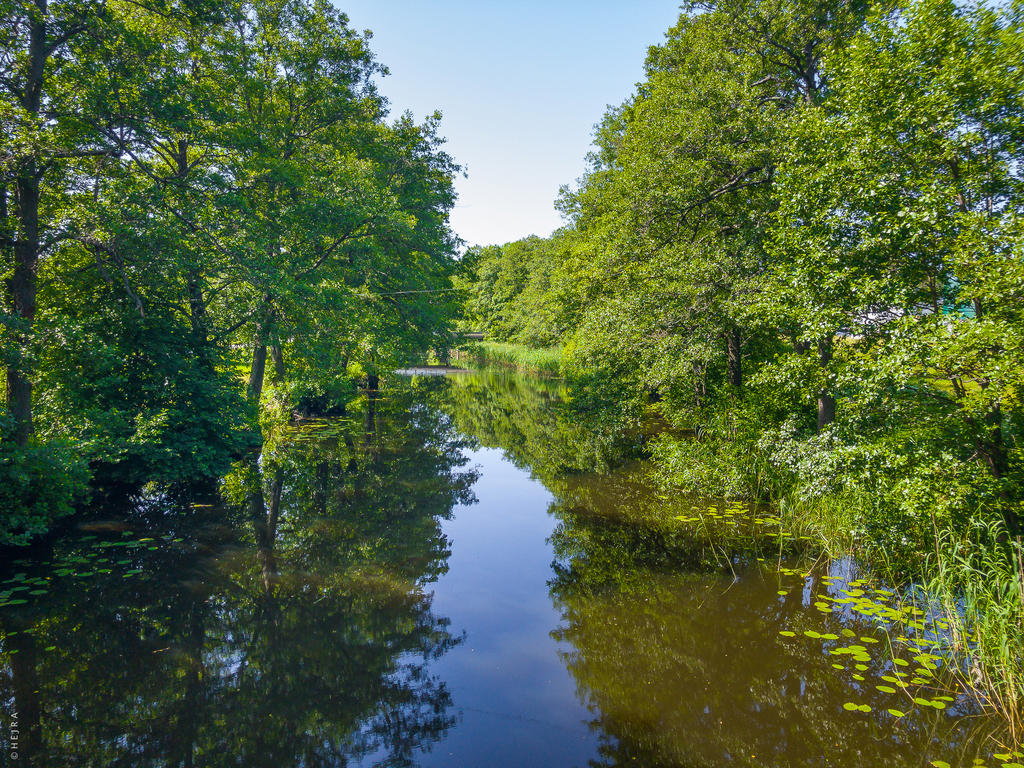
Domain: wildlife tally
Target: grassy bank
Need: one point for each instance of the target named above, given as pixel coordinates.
(495, 354)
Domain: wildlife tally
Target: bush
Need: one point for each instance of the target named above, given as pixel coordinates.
(38, 485)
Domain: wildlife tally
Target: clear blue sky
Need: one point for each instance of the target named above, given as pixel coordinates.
(521, 85)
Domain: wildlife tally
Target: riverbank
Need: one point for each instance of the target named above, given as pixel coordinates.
(969, 576)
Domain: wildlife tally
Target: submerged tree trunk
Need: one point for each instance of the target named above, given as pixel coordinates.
(25, 680)
(264, 521)
(187, 726)
(370, 424)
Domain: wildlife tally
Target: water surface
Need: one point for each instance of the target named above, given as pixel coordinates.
(460, 572)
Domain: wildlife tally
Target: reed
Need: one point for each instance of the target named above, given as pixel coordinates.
(537, 361)
(978, 579)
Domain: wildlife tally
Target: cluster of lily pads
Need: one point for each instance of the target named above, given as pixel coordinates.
(91, 557)
(733, 514)
(1005, 757)
(730, 514)
(907, 630)
(895, 618)
(911, 637)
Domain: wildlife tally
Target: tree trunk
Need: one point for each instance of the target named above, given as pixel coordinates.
(22, 283)
(197, 308)
(202, 343)
(826, 400)
(22, 290)
(995, 450)
(734, 358)
(700, 388)
(256, 370)
(277, 355)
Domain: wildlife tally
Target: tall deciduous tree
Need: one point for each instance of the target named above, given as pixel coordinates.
(67, 71)
(901, 218)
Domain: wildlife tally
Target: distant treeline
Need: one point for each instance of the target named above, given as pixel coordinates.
(802, 238)
(198, 197)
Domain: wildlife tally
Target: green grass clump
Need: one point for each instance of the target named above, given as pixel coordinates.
(978, 577)
(538, 361)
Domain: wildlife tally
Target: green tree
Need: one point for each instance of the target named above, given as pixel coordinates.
(900, 224)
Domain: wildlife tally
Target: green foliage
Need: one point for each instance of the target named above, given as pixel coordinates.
(978, 576)
(801, 239)
(763, 234)
(191, 190)
(511, 291)
(529, 419)
(38, 485)
(325, 551)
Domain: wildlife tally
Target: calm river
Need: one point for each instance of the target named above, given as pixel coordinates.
(461, 573)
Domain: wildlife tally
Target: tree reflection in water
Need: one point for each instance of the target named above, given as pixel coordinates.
(285, 620)
(288, 626)
(671, 633)
(673, 640)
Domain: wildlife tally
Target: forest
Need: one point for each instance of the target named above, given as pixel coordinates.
(204, 207)
(800, 241)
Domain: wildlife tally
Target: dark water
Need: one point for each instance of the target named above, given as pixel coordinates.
(461, 573)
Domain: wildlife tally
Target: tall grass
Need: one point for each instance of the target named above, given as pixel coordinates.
(540, 362)
(972, 580)
(978, 579)
(830, 520)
